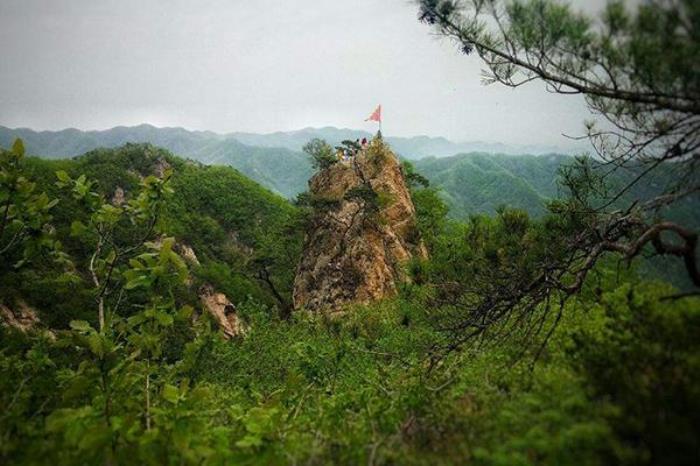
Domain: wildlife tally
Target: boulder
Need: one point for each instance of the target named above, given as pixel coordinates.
(223, 311)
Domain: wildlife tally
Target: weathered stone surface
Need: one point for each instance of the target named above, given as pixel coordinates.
(355, 247)
(21, 317)
(223, 311)
(186, 252)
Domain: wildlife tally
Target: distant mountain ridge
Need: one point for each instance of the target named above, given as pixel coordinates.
(282, 170)
(274, 160)
(71, 141)
(411, 148)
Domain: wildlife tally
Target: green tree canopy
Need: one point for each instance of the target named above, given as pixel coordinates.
(321, 153)
(639, 74)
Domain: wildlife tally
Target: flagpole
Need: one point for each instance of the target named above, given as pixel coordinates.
(376, 116)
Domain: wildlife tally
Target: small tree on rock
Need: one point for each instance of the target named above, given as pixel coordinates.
(321, 154)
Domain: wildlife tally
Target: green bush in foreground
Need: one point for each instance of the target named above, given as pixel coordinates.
(618, 384)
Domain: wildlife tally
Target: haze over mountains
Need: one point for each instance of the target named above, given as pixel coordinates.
(274, 160)
(411, 148)
(69, 142)
(282, 170)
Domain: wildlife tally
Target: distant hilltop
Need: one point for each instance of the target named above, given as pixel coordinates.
(71, 142)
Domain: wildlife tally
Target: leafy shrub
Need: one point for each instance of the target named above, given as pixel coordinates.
(643, 359)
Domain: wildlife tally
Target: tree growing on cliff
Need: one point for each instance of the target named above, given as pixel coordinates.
(638, 72)
(321, 153)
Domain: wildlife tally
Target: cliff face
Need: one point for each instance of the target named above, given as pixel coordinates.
(362, 232)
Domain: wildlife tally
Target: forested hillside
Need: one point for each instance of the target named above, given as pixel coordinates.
(223, 216)
(484, 183)
(481, 183)
(274, 160)
(71, 142)
(410, 148)
(281, 170)
(474, 183)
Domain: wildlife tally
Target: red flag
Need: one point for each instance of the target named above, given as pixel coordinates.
(376, 114)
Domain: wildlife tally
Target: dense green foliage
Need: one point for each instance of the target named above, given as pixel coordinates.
(617, 383)
(480, 183)
(470, 183)
(236, 228)
(523, 338)
(24, 213)
(273, 160)
(634, 66)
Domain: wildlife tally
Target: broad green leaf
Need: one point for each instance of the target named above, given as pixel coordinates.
(185, 312)
(249, 441)
(170, 393)
(80, 325)
(63, 176)
(96, 344)
(77, 228)
(164, 318)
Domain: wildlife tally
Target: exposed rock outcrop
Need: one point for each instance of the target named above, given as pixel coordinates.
(215, 303)
(160, 167)
(362, 232)
(223, 311)
(21, 317)
(187, 253)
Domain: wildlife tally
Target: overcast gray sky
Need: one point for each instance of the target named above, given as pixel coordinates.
(257, 65)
